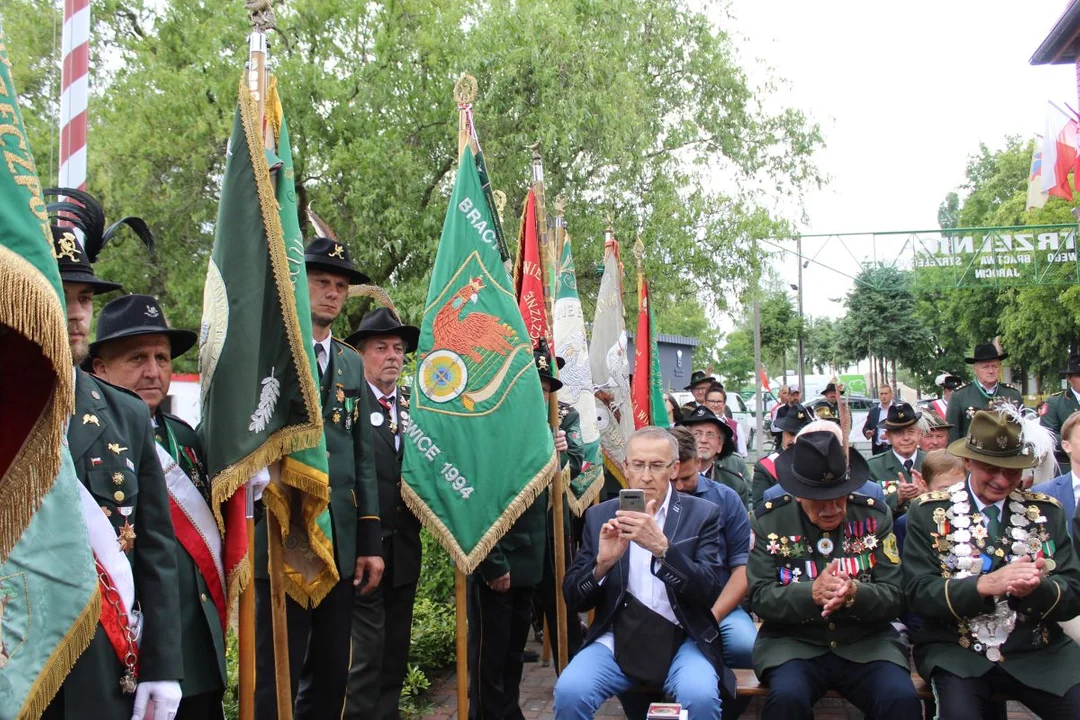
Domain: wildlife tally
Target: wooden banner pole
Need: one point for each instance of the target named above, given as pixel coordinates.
(461, 644)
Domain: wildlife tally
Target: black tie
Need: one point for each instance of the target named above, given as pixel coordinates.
(908, 465)
(320, 353)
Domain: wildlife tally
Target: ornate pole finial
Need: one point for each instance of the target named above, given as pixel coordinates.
(466, 89)
(560, 204)
(500, 202)
(261, 14)
(639, 250)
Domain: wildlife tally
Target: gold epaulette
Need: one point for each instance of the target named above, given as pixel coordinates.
(345, 344)
(1040, 497)
(933, 496)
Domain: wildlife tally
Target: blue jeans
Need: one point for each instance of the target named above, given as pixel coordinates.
(593, 676)
(738, 633)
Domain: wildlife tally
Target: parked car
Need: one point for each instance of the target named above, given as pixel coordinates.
(860, 405)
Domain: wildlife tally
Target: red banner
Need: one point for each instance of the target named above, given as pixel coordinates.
(640, 385)
(529, 278)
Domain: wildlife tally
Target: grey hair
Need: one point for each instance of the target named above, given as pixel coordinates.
(687, 443)
(652, 432)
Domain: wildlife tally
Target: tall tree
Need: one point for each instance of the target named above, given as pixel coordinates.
(632, 128)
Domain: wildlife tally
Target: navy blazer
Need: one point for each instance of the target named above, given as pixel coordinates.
(1061, 489)
(691, 569)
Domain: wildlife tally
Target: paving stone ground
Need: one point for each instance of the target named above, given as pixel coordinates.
(538, 681)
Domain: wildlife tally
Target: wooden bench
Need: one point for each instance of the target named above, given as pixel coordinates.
(749, 686)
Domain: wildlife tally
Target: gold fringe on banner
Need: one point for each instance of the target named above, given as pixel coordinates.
(30, 306)
(594, 484)
(62, 659)
(466, 563)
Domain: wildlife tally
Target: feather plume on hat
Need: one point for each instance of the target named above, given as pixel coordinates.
(84, 212)
(1036, 440)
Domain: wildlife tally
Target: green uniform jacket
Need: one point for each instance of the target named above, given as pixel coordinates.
(202, 635)
(1037, 652)
(731, 471)
(967, 399)
(109, 430)
(785, 542)
(763, 480)
(521, 550)
(354, 492)
(884, 468)
(1059, 406)
(401, 545)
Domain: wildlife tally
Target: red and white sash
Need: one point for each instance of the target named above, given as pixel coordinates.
(940, 407)
(113, 563)
(195, 527)
(769, 463)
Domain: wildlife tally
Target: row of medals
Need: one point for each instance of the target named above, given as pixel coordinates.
(962, 551)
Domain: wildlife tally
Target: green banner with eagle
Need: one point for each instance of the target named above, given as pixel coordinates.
(478, 449)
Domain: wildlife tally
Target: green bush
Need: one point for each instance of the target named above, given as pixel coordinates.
(433, 627)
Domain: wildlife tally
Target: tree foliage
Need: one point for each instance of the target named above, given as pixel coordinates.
(1037, 325)
(637, 105)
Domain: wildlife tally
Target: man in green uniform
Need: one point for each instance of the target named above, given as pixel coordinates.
(716, 451)
(1061, 405)
(501, 595)
(985, 392)
(991, 570)
(825, 581)
(319, 637)
(571, 461)
(134, 349)
(790, 419)
(134, 656)
(897, 469)
(382, 619)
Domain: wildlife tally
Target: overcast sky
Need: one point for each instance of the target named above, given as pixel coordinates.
(904, 93)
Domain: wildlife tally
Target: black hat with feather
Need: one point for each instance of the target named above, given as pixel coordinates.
(79, 210)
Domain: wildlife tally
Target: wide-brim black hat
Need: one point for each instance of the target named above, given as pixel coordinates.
(901, 415)
(813, 468)
(1073, 368)
(702, 414)
(948, 381)
(333, 256)
(984, 352)
(133, 315)
(831, 387)
(697, 378)
(792, 418)
(381, 321)
(73, 263)
(542, 361)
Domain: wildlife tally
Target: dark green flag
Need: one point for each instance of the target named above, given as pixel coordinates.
(478, 448)
(259, 396)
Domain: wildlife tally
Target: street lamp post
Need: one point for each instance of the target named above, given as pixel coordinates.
(802, 264)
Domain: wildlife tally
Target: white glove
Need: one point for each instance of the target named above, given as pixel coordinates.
(163, 697)
(259, 481)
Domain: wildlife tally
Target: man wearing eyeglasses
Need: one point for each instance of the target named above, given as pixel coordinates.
(716, 452)
(652, 578)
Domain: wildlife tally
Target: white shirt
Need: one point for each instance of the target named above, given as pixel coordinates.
(642, 583)
(1075, 394)
(902, 459)
(881, 439)
(324, 359)
(393, 409)
(992, 390)
(979, 504)
(1075, 486)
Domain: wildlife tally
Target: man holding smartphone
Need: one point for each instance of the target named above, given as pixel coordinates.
(652, 578)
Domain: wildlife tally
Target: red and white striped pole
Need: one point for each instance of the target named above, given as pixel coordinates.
(74, 91)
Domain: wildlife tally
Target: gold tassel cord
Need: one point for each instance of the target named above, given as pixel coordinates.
(434, 525)
(30, 306)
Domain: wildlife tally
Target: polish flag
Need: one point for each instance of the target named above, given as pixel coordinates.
(1059, 152)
